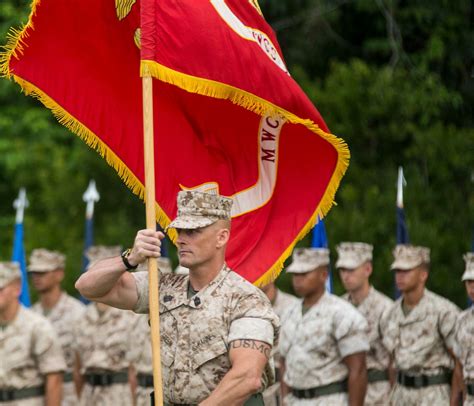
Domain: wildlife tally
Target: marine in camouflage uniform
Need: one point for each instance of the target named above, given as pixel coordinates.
(323, 344)
(419, 333)
(464, 340)
(102, 343)
(63, 311)
(140, 355)
(281, 302)
(355, 267)
(217, 329)
(31, 359)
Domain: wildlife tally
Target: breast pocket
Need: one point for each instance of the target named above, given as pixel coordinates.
(212, 352)
(210, 363)
(420, 336)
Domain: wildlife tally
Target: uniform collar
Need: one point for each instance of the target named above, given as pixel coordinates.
(176, 294)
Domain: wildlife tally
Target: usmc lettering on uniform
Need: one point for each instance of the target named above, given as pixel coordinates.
(259, 346)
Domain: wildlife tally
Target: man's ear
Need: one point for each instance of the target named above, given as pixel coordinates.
(368, 268)
(223, 236)
(59, 275)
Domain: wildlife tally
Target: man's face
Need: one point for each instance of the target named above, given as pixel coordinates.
(9, 294)
(200, 245)
(308, 283)
(411, 279)
(470, 289)
(353, 279)
(45, 281)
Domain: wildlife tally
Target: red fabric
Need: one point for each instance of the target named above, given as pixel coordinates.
(85, 59)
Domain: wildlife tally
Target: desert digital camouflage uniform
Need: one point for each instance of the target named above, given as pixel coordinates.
(464, 339)
(29, 349)
(352, 255)
(63, 316)
(282, 303)
(418, 341)
(196, 331)
(373, 308)
(140, 356)
(464, 348)
(315, 343)
(102, 344)
(140, 353)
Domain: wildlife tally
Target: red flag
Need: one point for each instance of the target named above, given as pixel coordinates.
(228, 115)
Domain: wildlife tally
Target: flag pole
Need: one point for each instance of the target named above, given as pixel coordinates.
(148, 150)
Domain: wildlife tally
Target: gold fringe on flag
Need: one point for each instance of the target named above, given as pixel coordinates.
(15, 46)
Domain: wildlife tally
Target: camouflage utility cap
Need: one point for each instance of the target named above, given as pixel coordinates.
(351, 255)
(409, 256)
(43, 260)
(9, 271)
(98, 252)
(197, 209)
(468, 274)
(308, 259)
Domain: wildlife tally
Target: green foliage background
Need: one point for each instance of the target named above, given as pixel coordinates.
(393, 78)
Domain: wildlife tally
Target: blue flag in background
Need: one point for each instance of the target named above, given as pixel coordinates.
(19, 256)
(320, 240)
(402, 230)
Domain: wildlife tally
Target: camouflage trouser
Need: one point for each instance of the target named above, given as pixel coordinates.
(272, 395)
(338, 399)
(434, 395)
(143, 396)
(377, 393)
(118, 394)
(69, 395)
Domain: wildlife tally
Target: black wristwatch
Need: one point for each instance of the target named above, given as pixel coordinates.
(127, 264)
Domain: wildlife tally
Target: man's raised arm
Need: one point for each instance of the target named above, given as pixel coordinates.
(107, 281)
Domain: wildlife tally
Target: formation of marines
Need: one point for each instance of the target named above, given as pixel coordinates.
(224, 341)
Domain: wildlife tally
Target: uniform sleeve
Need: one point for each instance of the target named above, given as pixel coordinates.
(254, 319)
(350, 332)
(47, 349)
(447, 324)
(141, 282)
(456, 344)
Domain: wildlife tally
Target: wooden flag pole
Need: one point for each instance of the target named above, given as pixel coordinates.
(148, 150)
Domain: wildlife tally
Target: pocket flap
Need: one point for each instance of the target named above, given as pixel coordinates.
(209, 352)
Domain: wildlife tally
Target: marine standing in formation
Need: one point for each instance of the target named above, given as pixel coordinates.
(419, 332)
(32, 362)
(323, 340)
(46, 269)
(355, 267)
(464, 343)
(217, 329)
(103, 342)
(281, 302)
